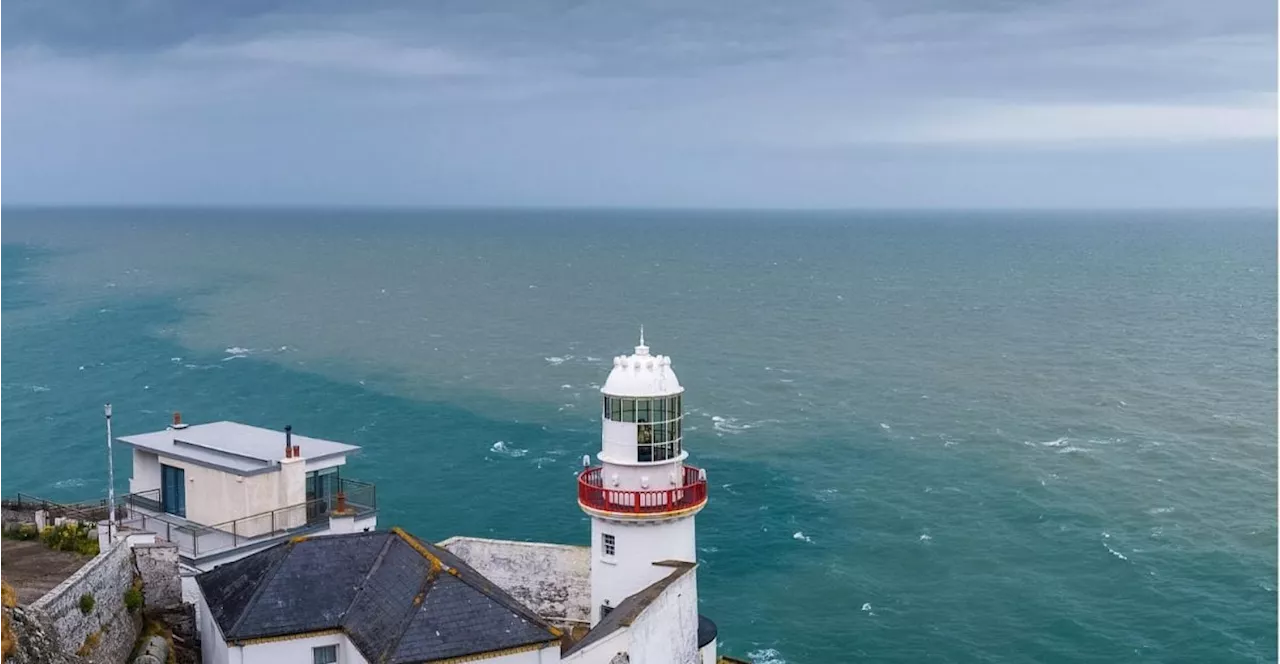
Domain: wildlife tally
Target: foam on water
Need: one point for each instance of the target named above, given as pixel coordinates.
(556, 360)
(766, 656)
(801, 536)
(501, 447)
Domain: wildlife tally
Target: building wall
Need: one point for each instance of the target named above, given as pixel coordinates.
(667, 631)
(297, 650)
(146, 472)
(552, 579)
(106, 577)
(157, 564)
(213, 648)
(605, 650)
(638, 545)
(216, 497)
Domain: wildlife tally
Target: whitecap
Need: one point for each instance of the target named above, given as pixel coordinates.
(39, 388)
(566, 387)
(70, 483)
(801, 536)
(1073, 450)
(1115, 553)
(766, 656)
(593, 359)
(237, 350)
(926, 538)
(866, 607)
(501, 447)
(175, 359)
(884, 426)
(1057, 442)
(556, 360)
(1160, 510)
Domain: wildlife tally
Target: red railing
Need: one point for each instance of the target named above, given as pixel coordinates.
(593, 494)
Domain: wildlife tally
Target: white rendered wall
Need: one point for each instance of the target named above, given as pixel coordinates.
(604, 650)
(552, 579)
(638, 545)
(213, 648)
(708, 652)
(146, 472)
(667, 631)
(215, 497)
(298, 650)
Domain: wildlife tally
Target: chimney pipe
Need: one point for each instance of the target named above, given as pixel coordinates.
(177, 421)
(288, 441)
(341, 507)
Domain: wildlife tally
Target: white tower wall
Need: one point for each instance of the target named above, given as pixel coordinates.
(642, 512)
(637, 545)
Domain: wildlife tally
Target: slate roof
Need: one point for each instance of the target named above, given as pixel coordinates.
(400, 600)
(630, 608)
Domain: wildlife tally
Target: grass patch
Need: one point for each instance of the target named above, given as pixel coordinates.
(90, 642)
(86, 603)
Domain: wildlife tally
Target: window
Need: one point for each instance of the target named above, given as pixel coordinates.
(324, 655)
(608, 545)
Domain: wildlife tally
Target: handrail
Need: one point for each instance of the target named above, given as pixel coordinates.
(593, 494)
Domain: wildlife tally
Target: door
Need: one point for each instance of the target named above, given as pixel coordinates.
(322, 488)
(173, 490)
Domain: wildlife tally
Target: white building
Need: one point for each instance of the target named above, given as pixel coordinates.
(631, 597)
(224, 490)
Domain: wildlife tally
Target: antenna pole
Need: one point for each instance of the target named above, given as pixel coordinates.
(111, 478)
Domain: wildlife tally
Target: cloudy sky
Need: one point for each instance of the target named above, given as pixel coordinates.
(861, 103)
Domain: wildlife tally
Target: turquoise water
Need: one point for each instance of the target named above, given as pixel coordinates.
(1014, 437)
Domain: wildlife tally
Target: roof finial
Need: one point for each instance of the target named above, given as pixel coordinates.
(642, 334)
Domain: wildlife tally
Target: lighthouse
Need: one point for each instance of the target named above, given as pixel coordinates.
(642, 497)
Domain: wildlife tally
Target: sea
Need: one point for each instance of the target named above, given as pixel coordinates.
(929, 436)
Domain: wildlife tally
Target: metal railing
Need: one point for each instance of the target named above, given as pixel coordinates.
(194, 539)
(593, 494)
(91, 511)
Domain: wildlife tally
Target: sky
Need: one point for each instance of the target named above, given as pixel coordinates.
(707, 103)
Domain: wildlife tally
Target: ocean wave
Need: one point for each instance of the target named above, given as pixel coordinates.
(501, 447)
(556, 360)
(237, 350)
(1070, 449)
(766, 656)
(1160, 510)
(1115, 553)
(925, 537)
(732, 425)
(884, 426)
(200, 366)
(1057, 442)
(566, 386)
(801, 537)
(70, 483)
(826, 495)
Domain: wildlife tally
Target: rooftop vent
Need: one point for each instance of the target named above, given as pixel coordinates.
(177, 421)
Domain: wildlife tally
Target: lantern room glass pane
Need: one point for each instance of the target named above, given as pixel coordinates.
(628, 410)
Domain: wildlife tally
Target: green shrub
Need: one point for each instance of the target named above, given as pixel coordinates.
(133, 599)
(70, 537)
(86, 603)
(21, 531)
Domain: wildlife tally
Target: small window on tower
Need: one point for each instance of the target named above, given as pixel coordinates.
(608, 545)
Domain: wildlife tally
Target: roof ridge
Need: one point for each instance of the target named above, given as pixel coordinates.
(377, 562)
(428, 580)
(496, 594)
(262, 585)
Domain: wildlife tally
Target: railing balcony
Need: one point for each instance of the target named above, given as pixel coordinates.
(593, 494)
(195, 540)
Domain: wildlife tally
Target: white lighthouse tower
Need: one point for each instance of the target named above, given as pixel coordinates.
(642, 498)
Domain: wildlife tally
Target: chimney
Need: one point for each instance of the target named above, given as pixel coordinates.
(288, 441)
(177, 421)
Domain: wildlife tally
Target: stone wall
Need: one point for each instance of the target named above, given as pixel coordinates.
(107, 633)
(552, 579)
(157, 564)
